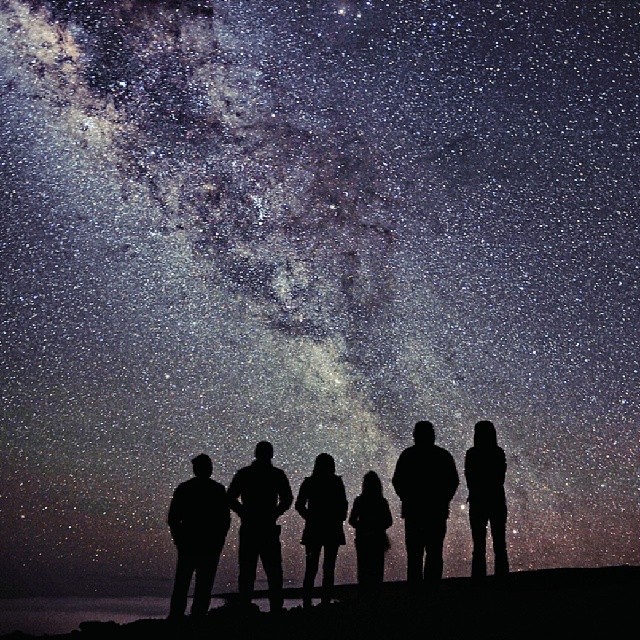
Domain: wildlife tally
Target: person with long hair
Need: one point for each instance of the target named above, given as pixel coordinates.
(322, 503)
(485, 468)
(371, 517)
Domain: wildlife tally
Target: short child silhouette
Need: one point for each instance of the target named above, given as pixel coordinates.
(371, 517)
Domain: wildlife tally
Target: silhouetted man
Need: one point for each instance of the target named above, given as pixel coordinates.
(199, 519)
(260, 493)
(485, 468)
(425, 479)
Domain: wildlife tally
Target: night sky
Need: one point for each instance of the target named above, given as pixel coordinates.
(314, 222)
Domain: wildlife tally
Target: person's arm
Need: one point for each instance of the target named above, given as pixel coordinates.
(398, 478)
(469, 476)
(503, 468)
(354, 516)
(233, 493)
(388, 518)
(174, 517)
(225, 510)
(301, 501)
(285, 496)
(343, 499)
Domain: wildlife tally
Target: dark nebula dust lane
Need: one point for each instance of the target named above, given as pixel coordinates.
(313, 223)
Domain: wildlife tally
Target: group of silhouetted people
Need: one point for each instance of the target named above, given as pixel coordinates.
(425, 479)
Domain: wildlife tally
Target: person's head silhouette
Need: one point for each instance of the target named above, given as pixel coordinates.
(484, 434)
(371, 484)
(202, 466)
(264, 451)
(424, 433)
(324, 464)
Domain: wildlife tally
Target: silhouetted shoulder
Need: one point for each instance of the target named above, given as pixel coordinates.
(282, 476)
(240, 474)
(445, 453)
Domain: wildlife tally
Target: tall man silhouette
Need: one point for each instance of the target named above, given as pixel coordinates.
(260, 493)
(425, 479)
(199, 518)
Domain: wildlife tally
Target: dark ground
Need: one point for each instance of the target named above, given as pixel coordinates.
(555, 603)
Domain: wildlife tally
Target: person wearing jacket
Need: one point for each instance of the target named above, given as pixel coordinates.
(371, 517)
(199, 519)
(425, 479)
(260, 493)
(322, 503)
(485, 468)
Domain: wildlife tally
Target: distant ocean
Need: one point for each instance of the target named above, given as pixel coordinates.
(50, 616)
(39, 616)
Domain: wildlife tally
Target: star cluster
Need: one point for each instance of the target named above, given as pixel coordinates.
(314, 223)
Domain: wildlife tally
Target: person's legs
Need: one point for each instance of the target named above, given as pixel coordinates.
(365, 559)
(271, 556)
(478, 520)
(434, 562)
(248, 564)
(185, 567)
(498, 535)
(415, 546)
(377, 565)
(205, 577)
(328, 571)
(312, 560)
(361, 560)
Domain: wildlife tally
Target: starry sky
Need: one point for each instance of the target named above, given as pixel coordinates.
(314, 222)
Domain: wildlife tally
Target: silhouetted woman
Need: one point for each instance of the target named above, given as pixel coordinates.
(322, 502)
(371, 517)
(485, 467)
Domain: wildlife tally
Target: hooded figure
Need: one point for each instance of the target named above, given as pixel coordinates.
(485, 468)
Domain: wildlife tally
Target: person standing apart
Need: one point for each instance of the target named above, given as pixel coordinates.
(425, 479)
(371, 517)
(199, 519)
(260, 493)
(485, 468)
(322, 503)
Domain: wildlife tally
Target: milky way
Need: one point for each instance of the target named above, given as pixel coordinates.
(314, 223)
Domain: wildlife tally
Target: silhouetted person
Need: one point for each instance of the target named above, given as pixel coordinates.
(199, 519)
(485, 467)
(322, 502)
(425, 479)
(260, 493)
(371, 517)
